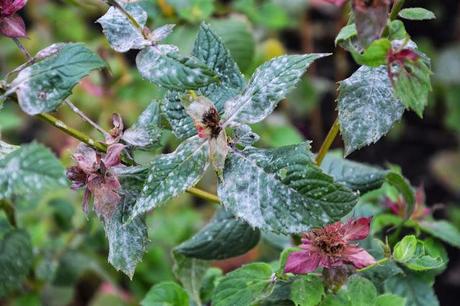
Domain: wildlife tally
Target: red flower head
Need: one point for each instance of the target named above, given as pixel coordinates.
(331, 247)
(94, 172)
(12, 25)
(398, 207)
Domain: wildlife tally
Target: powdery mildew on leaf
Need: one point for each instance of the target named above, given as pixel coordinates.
(29, 170)
(6, 149)
(268, 86)
(172, 174)
(43, 86)
(127, 242)
(120, 32)
(210, 50)
(15, 260)
(223, 237)
(172, 70)
(367, 107)
(282, 190)
(356, 176)
(146, 130)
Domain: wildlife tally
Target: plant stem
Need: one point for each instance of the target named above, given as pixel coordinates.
(22, 49)
(204, 194)
(377, 263)
(396, 9)
(328, 142)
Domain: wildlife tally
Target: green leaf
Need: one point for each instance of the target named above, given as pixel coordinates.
(412, 254)
(172, 70)
(405, 249)
(6, 148)
(367, 107)
(269, 85)
(191, 273)
(210, 281)
(145, 132)
(166, 294)
(15, 260)
(375, 55)
(443, 230)
(119, 30)
(412, 83)
(224, 237)
(361, 291)
(416, 13)
(307, 291)
(237, 36)
(356, 176)
(416, 290)
(30, 170)
(172, 174)
(244, 286)
(403, 186)
(346, 33)
(397, 30)
(127, 242)
(282, 190)
(390, 300)
(43, 86)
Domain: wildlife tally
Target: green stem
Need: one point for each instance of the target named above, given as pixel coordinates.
(328, 142)
(396, 9)
(377, 263)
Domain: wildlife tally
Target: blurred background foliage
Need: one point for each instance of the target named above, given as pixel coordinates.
(70, 266)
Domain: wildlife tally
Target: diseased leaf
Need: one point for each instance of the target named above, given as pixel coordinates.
(307, 291)
(145, 132)
(443, 230)
(43, 86)
(267, 87)
(416, 13)
(119, 30)
(354, 175)
(15, 260)
(166, 293)
(210, 50)
(244, 286)
(30, 170)
(6, 148)
(224, 237)
(416, 290)
(367, 107)
(190, 272)
(172, 174)
(371, 18)
(172, 70)
(127, 242)
(282, 190)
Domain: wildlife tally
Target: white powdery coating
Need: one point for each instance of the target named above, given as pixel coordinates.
(6, 148)
(367, 107)
(120, 32)
(43, 86)
(264, 200)
(146, 130)
(268, 86)
(28, 170)
(172, 174)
